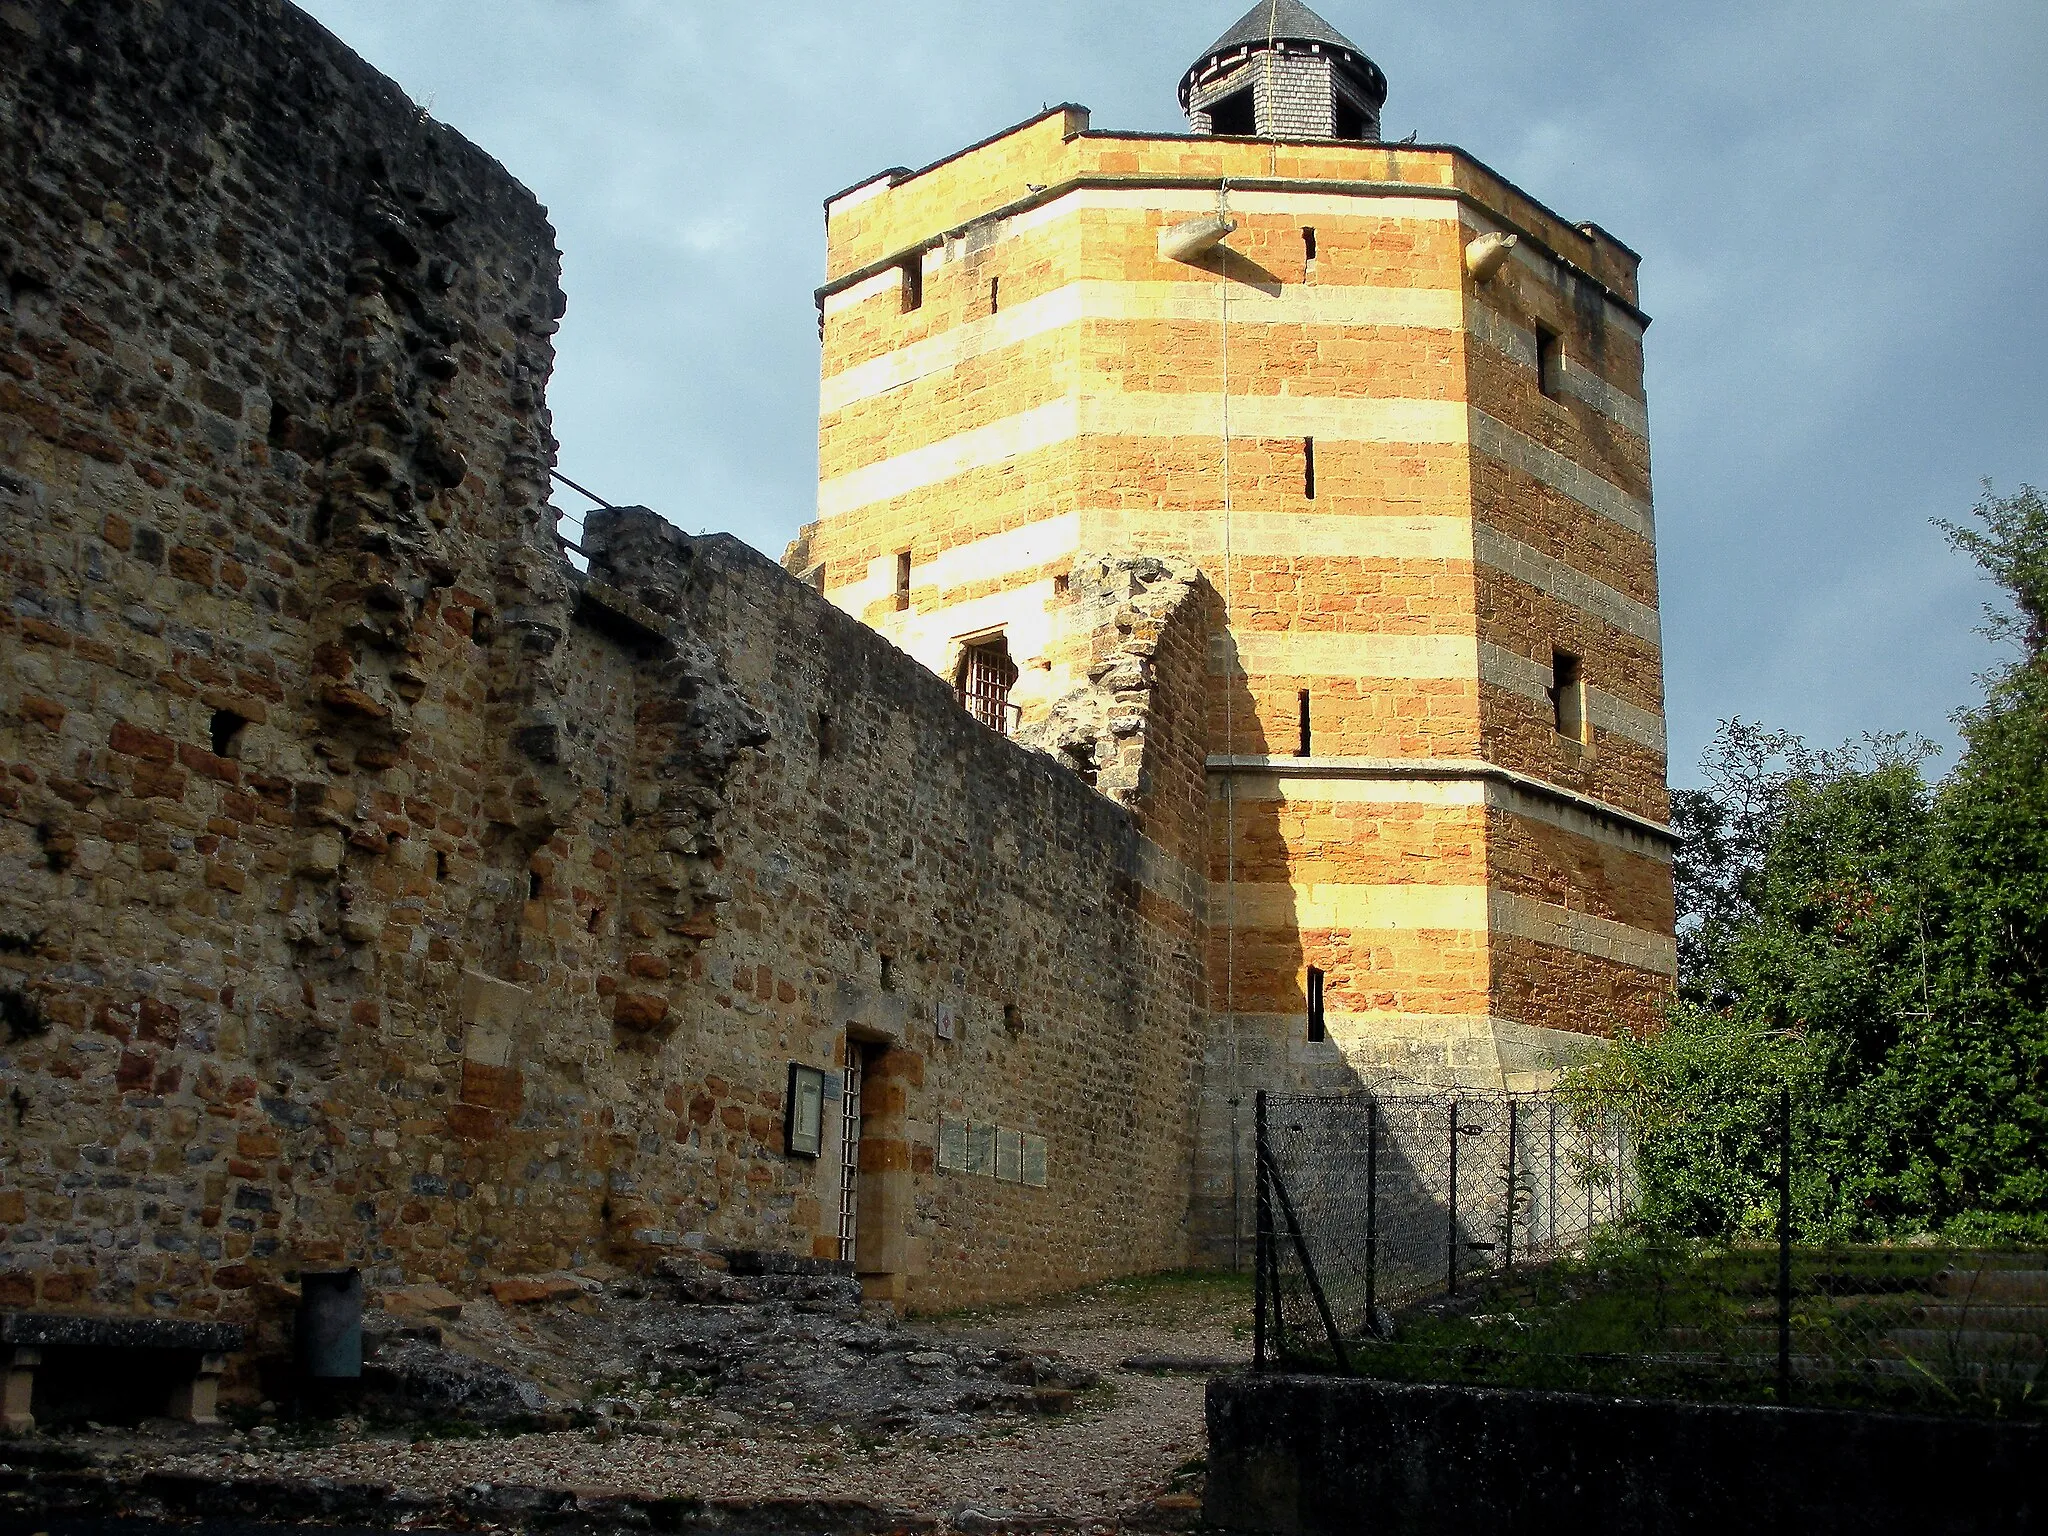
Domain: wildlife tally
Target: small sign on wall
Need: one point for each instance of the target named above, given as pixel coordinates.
(804, 1123)
(948, 1020)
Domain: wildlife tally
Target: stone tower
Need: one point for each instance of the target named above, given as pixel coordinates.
(1284, 73)
(1392, 408)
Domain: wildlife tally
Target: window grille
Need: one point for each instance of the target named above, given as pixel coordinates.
(986, 677)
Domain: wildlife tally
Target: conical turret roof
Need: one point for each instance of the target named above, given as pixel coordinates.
(1284, 21)
(1291, 26)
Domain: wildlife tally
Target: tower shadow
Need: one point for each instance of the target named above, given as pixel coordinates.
(1259, 1029)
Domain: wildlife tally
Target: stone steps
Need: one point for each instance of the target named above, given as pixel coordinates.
(1994, 1285)
(1969, 1344)
(2000, 1318)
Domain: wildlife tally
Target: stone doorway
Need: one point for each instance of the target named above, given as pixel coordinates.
(875, 1180)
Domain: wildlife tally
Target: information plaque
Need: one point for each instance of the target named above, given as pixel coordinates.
(981, 1149)
(1010, 1156)
(1034, 1161)
(953, 1146)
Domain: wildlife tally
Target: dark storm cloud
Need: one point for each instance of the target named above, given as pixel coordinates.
(1842, 210)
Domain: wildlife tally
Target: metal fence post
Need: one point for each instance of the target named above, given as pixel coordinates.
(1550, 1209)
(1451, 1288)
(1507, 1263)
(1262, 1245)
(1784, 1245)
(1372, 1216)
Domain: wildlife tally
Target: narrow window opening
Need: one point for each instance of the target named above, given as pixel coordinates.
(986, 676)
(902, 580)
(533, 886)
(226, 731)
(1235, 116)
(1549, 361)
(1568, 695)
(1317, 1029)
(913, 284)
(1013, 1021)
(1307, 733)
(828, 734)
(441, 867)
(280, 425)
(1308, 244)
(1060, 585)
(888, 973)
(1308, 468)
(995, 294)
(596, 919)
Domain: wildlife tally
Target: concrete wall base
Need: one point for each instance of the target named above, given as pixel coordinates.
(1319, 1454)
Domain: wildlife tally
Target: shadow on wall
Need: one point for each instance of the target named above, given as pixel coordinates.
(1259, 958)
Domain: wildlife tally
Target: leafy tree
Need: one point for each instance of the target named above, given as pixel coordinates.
(1875, 942)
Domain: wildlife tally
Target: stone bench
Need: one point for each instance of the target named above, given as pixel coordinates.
(199, 1350)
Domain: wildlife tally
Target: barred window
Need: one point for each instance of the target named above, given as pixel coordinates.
(986, 677)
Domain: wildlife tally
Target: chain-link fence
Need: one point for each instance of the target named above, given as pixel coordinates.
(1368, 1202)
(1486, 1238)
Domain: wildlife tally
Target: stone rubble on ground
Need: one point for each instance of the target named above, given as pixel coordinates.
(840, 1412)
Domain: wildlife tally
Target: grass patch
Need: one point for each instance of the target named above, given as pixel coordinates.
(1890, 1328)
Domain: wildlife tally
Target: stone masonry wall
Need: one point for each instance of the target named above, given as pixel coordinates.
(883, 858)
(377, 889)
(273, 458)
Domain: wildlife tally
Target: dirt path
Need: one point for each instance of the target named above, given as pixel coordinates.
(1118, 1450)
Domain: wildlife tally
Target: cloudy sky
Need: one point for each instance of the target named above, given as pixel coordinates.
(1842, 207)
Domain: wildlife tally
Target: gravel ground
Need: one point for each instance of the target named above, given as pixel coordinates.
(1117, 1451)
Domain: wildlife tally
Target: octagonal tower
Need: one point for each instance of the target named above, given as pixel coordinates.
(1392, 407)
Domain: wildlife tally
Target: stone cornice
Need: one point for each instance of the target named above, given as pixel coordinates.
(1427, 768)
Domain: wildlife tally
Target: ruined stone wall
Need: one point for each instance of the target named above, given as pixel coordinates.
(272, 498)
(377, 889)
(885, 861)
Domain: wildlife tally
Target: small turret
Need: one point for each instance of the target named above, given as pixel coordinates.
(1284, 73)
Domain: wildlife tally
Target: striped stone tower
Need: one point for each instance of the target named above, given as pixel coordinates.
(1392, 407)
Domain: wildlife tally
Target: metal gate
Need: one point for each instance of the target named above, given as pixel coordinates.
(849, 1154)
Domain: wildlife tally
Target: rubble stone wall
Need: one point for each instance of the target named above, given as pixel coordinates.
(883, 859)
(374, 887)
